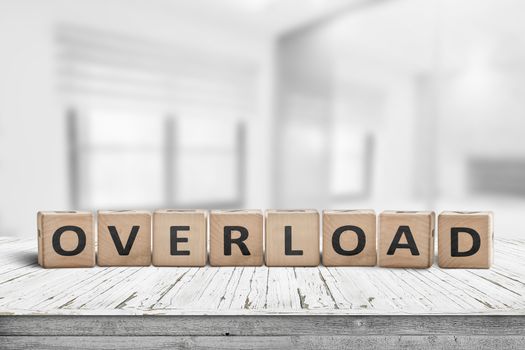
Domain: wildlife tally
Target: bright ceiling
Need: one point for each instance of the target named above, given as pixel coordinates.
(260, 17)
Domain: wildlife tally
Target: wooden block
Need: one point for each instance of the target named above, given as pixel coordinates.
(65, 239)
(124, 238)
(349, 238)
(465, 239)
(292, 238)
(236, 238)
(179, 237)
(406, 239)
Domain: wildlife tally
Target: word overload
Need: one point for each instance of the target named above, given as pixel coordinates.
(173, 237)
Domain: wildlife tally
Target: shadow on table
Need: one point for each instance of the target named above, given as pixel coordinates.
(26, 258)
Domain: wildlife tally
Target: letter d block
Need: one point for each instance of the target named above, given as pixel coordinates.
(406, 239)
(124, 238)
(349, 238)
(236, 238)
(179, 237)
(65, 239)
(292, 238)
(465, 240)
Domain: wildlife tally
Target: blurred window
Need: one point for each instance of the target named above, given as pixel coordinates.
(147, 161)
(208, 162)
(120, 158)
(496, 176)
(154, 123)
(351, 152)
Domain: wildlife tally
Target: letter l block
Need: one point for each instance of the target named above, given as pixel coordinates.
(292, 238)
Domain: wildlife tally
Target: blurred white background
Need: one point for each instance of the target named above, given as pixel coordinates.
(400, 104)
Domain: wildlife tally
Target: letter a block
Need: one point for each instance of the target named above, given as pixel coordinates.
(465, 239)
(406, 239)
(349, 238)
(236, 238)
(292, 238)
(124, 238)
(179, 237)
(65, 239)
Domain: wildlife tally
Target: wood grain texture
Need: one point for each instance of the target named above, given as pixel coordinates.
(481, 223)
(421, 225)
(261, 325)
(124, 221)
(304, 232)
(252, 222)
(49, 222)
(362, 219)
(267, 342)
(28, 289)
(194, 239)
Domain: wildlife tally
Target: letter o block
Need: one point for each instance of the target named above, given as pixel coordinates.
(179, 237)
(236, 238)
(406, 239)
(65, 239)
(292, 238)
(465, 239)
(349, 238)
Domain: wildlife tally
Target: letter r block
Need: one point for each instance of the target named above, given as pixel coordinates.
(236, 238)
(406, 239)
(124, 238)
(465, 239)
(292, 238)
(349, 238)
(65, 239)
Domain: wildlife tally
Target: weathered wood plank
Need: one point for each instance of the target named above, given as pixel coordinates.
(267, 342)
(260, 325)
(27, 289)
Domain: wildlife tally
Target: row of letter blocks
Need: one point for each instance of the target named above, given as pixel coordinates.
(280, 238)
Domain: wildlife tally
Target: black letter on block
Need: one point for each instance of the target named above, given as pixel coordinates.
(118, 244)
(336, 240)
(454, 241)
(174, 240)
(411, 244)
(288, 242)
(228, 241)
(81, 240)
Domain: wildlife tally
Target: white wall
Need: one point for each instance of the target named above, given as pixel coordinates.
(482, 115)
(33, 154)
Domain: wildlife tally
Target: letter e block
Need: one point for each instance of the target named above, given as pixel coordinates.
(179, 237)
(124, 238)
(236, 238)
(292, 238)
(406, 239)
(465, 239)
(349, 238)
(65, 239)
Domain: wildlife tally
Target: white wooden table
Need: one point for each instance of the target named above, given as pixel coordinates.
(246, 307)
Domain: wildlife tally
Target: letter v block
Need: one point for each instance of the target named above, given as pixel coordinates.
(349, 238)
(124, 238)
(236, 238)
(292, 238)
(65, 239)
(465, 239)
(406, 239)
